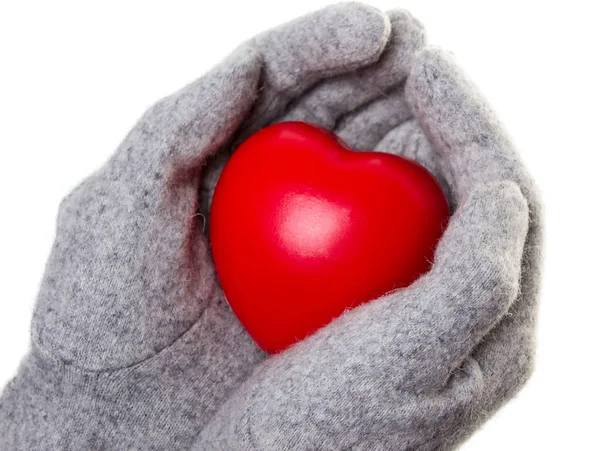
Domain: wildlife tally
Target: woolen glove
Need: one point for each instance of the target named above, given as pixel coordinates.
(133, 345)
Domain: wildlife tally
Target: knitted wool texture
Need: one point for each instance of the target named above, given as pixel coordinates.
(133, 346)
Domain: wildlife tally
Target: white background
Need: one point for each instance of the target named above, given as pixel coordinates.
(75, 76)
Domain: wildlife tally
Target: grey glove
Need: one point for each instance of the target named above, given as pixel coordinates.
(133, 345)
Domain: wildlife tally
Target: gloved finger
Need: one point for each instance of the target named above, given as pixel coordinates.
(506, 354)
(288, 59)
(474, 280)
(364, 128)
(336, 40)
(333, 98)
(501, 364)
(409, 140)
(473, 146)
(354, 374)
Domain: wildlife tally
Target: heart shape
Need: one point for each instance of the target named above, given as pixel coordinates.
(303, 228)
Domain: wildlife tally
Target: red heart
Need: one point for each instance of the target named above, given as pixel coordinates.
(303, 228)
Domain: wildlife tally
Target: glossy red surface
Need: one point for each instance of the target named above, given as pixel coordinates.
(303, 228)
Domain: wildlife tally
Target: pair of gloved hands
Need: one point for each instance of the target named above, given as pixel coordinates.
(134, 346)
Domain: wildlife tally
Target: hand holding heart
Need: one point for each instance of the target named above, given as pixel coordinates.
(131, 327)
